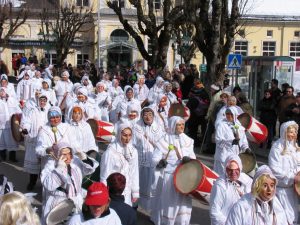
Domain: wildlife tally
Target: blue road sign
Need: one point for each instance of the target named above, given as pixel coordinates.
(234, 61)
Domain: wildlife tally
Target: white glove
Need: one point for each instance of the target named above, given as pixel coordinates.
(78, 202)
(61, 163)
(81, 155)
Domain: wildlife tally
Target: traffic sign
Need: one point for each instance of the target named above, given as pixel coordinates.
(234, 61)
(203, 68)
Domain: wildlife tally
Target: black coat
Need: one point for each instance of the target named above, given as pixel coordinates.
(267, 110)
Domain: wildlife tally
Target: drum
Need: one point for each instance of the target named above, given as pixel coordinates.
(195, 179)
(60, 213)
(297, 183)
(255, 131)
(249, 163)
(15, 122)
(102, 130)
(178, 109)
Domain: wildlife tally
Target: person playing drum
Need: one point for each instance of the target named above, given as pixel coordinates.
(261, 206)
(283, 161)
(228, 189)
(230, 139)
(171, 150)
(96, 208)
(62, 177)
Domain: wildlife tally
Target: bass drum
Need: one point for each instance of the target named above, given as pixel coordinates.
(103, 131)
(60, 213)
(15, 122)
(249, 163)
(178, 109)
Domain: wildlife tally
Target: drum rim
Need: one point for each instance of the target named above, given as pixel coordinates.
(201, 180)
(18, 117)
(254, 164)
(66, 200)
(250, 122)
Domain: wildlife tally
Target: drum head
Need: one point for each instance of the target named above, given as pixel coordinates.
(245, 120)
(248, 161)
(60, 212)
(15, 126)
(188, 177)
(177, 109)
(94, 125)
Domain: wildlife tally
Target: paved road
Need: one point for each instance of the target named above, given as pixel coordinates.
(15, 173)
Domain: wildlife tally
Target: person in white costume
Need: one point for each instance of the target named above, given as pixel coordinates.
(53, 132)
(283, 160)
(106, 80)
(103, 101)
(141, 90)
(8, 106)
(161, 111)
(113, 115)
(36, 83)
(96, 210)
(156, 90)
(48, 73)
(21, 75)
(228, 189)
(24, 89)
(62, 89)
(62, 177)
(145, 134)
(32, 71)
(115, 90)
(175, 148)
(31, 123)
(49, 92)
(129, 99)
(85, 140)
(121, 156)
(170, 95)
(261, 206)
(230, 139)
(86, 83)
(10, 88)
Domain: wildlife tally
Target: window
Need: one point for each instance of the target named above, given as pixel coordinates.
(51, 58)
(81, 58)
(156, 4)
(82, 3)
(269, 48)
(241, 47)
(269, 33)
(295, 49)
(297, 33)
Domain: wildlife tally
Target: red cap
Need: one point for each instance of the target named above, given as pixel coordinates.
(97, 194)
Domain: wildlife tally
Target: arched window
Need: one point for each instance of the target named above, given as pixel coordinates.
(119, 35)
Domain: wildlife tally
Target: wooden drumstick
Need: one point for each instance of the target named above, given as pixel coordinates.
(54, 130)
(18, 124)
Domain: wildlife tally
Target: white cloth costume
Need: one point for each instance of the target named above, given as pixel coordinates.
(32, 122)
(61, 88)
(221, 114)
(140, 91)
(115, 91)
(250, 210)
(61, 183)
(283, 160)
(48, 72)
(226, 193)
(103, 102)
(171, 206)
(89, 87)
(50, 93)
(24, 90)
(113, 116)
(224, 137)
(145, 137)
(122, 105)
(156, 90)
(122, 159)
(161, 115)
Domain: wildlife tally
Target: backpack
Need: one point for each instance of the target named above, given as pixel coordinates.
(5, 185)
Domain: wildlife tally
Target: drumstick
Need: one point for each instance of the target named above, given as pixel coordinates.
(18, 124)
(54, 130)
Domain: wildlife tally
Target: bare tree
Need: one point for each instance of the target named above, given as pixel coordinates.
(60, 27)
(10, 19)
(156, 25)
(216, 24)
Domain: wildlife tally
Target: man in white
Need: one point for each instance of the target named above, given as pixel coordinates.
(146, 132)
(85, 82)
(156, 90)
(230, 139)
(103, 101)
(140, 89)
(32, 71)
(36, 83)
(228, 189)
(31, 123)
(115, 90)
(49, 92)
(62, 89)
(24, 89)
(122, 157)
(10, 88)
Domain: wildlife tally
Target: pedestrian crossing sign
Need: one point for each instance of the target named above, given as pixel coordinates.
(234, 61)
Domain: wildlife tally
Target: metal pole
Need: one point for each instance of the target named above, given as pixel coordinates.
(99, 35)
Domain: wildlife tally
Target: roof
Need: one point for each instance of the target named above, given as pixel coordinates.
(269, 58)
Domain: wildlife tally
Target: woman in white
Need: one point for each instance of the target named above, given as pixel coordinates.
(85, 82)
(62, 177)
(146, 132)
(170, 95)
(228, 189)
(49, 92)
(171, 150)
(103, 101)
(31, 124)
(283, 160)
(115, 90)
(161, 111)
(141, 90)
(156, 90)
(10, 88)
(230, 139)
(261, 206)
(122, 157)
(63, 88)
(106, 80)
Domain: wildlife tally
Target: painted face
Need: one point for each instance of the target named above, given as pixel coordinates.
(85, 82)
(37, 74)
(148, 117)
(81, 97)
(97, 210)
(132, 115)
(126, 135)
(163, 101)
(233, 171)
(55, 120)
(129, 94)
(179, 127)
(229, 117)
(77, 116)
(231, 101)
(4, 83)
(141, 81)
(26, 76)
(42, 102)
(168, 88)
(291, 134)
(116, 83)
(100, 88)
(67, 155)
(267, 190)
(45, 85)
